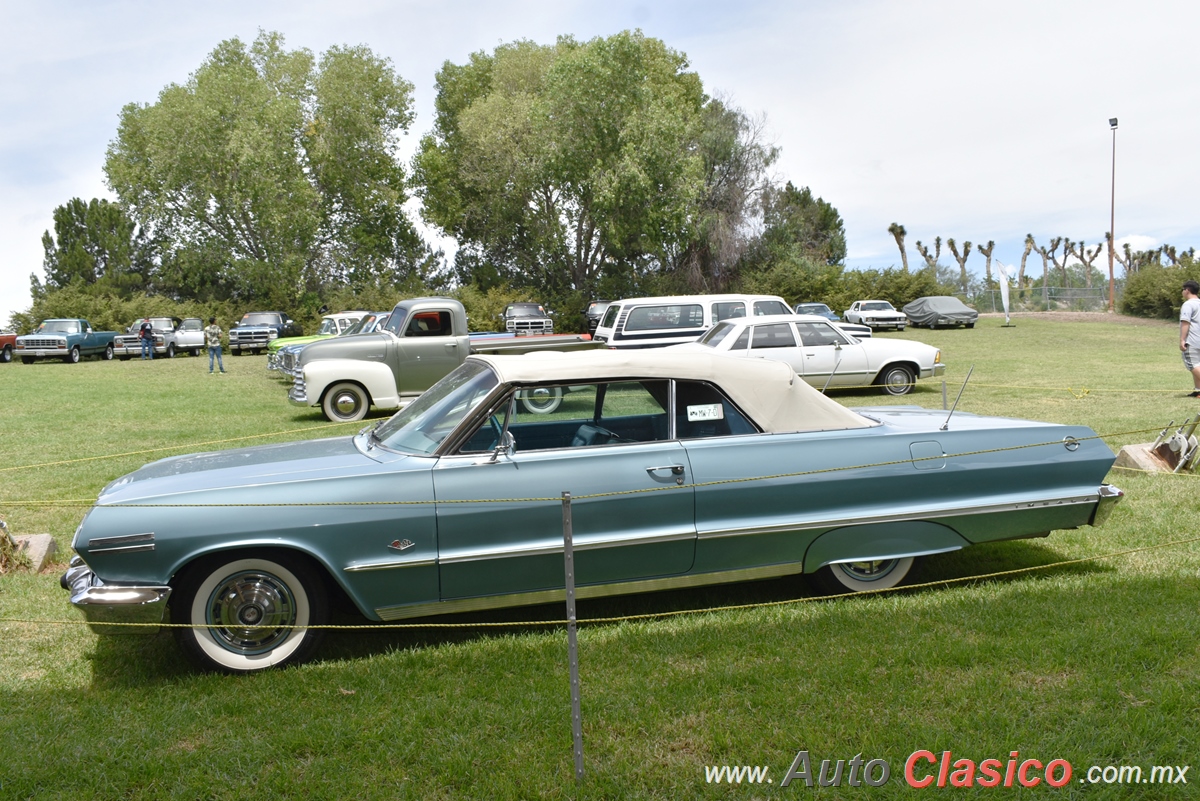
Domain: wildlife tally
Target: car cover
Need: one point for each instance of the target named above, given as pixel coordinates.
(940, 310)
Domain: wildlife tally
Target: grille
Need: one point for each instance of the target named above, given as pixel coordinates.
(43, 342)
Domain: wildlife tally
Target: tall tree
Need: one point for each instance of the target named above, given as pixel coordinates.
(1029, 246)
(554, 165)
(1086, 257)
(987, 250)
(898, 232)
(94, 244)
(962, 260)
(937, 252)
(270, 174)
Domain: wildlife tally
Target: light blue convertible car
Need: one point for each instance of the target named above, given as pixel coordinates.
(684, 468)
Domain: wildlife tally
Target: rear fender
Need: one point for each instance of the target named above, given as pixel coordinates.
(881, 541)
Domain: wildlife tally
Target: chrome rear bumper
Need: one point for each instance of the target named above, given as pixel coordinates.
(106, 604)
(1110, 496)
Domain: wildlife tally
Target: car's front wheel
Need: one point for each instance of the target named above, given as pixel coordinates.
(345, 402)
(171, 351)
(878, 574)
(6, 354)
(73, 356)
(897, 379)
(108, 354)
(249, 611)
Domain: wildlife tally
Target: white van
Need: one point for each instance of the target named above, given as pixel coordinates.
(658, 322)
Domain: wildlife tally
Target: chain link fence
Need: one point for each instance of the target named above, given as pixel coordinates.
(1053, 298)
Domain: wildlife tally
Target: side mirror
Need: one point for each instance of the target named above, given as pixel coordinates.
(506, 447)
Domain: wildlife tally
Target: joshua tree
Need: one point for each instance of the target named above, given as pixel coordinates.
(1081, 252)
(1050, 252)
(962, 260)
(1169, 252)
(1045, 254)
(1029, 246)
(987, 268)
(937, 251)
(897, 230)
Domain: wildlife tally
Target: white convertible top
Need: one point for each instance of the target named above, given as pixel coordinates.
(768, 391)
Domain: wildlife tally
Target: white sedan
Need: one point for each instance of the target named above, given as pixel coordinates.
(822, 354)
(876, 314)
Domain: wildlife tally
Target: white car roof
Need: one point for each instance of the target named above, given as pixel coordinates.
(768, 391)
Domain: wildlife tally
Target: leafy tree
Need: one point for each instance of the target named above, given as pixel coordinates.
(94, 244)
(269, 174)
(554, 165)
(793, 218)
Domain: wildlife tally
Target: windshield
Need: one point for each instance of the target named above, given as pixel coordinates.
(765, 307)
(525, 310)
(812, 308)
(60, 326)
(395, 323)
(878, 305)
(422, 425)
(358, 327)
(716, 334)
(260, 318)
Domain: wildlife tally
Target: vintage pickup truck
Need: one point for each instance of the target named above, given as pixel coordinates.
(171, 335)
(67, 339)
(8, 341)
(257, 329)
(424, 339)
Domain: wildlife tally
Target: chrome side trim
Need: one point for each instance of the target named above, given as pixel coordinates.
(367, 566)
(550, 549)
(930, 514)
(589, 591)
(127, 543)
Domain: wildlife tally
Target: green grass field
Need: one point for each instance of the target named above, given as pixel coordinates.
(1096, 663)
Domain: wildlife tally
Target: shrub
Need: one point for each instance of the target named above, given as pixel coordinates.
(1154, 290)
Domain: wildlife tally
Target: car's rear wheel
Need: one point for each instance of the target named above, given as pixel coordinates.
(878, 574)
(345, 402)
(898, 379)
(250, 611)
(542, 400)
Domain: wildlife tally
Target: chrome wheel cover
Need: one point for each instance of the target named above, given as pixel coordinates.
(249, 612)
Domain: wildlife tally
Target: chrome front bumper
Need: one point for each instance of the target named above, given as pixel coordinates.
(105, 604)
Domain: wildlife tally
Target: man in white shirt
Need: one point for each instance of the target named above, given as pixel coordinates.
(1189, 333)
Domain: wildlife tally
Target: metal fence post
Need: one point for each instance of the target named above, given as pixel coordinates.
(572, 635)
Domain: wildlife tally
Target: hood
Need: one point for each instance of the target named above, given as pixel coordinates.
(355, 346)
(244, 470)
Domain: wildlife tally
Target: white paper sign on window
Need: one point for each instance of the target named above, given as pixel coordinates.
(705, 411)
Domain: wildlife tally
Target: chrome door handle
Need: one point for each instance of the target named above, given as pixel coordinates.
(676, 470)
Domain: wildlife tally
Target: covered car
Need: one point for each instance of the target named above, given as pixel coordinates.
(685, 469)
(940, 310)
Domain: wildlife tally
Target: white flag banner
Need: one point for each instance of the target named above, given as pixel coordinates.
(1003, 271)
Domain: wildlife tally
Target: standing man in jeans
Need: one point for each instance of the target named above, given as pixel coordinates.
(1189, 333)
(212, 338)
(146, 338)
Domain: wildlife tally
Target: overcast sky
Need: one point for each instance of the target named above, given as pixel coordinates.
(956, 119)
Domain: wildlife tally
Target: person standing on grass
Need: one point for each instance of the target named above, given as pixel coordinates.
(212, 338)
(146, 337)
(1189, 333)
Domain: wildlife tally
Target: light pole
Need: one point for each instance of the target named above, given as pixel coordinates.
(1112, 211)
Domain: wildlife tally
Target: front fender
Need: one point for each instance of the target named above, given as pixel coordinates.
(375, 377)
(881, 541)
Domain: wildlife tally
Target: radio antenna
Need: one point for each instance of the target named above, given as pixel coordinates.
(946, 424)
